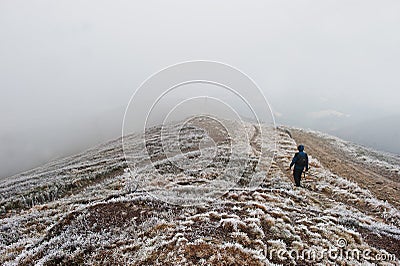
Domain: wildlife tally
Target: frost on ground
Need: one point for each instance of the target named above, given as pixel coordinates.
(86, 209)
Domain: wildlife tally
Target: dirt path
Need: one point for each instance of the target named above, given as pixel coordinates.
(381, 184)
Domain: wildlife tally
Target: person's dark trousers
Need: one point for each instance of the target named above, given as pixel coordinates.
(297, 175)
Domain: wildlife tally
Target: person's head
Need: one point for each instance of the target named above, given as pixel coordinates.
(300, 148)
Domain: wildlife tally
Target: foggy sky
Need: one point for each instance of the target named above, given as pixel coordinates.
(68, 68)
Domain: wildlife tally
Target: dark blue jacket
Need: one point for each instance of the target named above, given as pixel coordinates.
(296, 158)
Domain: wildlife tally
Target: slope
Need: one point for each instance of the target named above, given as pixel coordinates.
(103, 221)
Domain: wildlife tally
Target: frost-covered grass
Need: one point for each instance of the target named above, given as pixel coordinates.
(60, 178)
(365, 155)
(107, 221)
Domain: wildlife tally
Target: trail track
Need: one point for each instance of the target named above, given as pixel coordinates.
(383, 184)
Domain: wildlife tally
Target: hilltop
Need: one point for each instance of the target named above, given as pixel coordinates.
(88, 209)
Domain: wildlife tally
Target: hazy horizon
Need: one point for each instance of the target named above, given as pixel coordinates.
(69, 68)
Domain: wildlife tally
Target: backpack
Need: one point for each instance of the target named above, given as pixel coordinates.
(301, 160)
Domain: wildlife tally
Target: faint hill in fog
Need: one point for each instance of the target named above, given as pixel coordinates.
(380, 133)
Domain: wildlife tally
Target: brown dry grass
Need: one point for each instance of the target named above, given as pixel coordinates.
(383, 184)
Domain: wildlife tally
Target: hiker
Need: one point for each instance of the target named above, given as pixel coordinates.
(300, 161)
